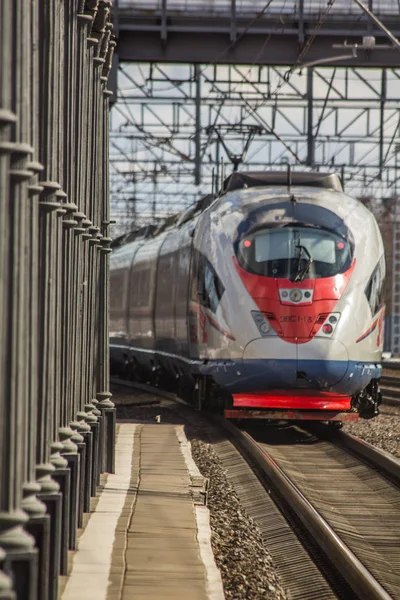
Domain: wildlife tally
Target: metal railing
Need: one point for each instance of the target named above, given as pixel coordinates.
(245, 8)
(57, 421)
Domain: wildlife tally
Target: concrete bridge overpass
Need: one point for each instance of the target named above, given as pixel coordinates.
(233, 31)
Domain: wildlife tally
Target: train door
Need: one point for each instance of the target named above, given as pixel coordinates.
(134, 325)
(165, 328)
(142, 294)
(121, 261)
(182, 288)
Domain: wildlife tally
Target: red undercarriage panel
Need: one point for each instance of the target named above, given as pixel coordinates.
(299, 405)
(292, 415)
(299, 399)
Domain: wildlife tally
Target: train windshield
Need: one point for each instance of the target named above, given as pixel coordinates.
(295, 253)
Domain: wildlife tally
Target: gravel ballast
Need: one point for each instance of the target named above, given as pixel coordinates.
(246, 568)
(383, 431)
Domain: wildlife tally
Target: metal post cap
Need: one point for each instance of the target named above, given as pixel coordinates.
(83, 426)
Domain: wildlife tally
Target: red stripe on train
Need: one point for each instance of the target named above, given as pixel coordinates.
(368, 332)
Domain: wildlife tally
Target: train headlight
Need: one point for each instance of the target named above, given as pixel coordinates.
(262, 323)
(326, 324)
(296, 295)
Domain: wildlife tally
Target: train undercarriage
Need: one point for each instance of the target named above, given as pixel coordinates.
(271, 405)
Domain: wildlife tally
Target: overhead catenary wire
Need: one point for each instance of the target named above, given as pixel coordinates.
(265, 42)
(286, 79)
(265, 125)
(307, 47)
(219, 108)
(287, 75)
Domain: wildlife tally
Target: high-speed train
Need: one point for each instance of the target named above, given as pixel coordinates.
(266, 301)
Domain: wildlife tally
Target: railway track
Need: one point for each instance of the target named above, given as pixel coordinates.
(327, 503)
(390, 382)
(347, 504)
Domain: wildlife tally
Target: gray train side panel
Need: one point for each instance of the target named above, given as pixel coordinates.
(142, 293)
(120, 264)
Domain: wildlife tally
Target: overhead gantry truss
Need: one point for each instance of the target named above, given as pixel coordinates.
(172, 125)
(256, 83)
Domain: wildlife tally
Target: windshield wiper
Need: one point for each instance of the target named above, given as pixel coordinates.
(300, 275)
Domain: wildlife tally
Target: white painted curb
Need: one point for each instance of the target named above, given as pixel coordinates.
(215, 589)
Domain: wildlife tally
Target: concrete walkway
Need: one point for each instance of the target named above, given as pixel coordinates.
(149, 536)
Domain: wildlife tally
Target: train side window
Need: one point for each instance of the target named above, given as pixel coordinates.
(141, 287)
(210, 288)
(138, 286)
(375, 290)
(144, 288)
(118, 281)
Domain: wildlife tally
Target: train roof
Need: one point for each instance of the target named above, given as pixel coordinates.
(241, 180)
(177, 220)
(236, 181)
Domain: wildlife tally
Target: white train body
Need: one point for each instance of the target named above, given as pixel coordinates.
(274, 299)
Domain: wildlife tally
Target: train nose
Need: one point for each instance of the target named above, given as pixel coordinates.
(321, 362)
(274, 363)
(270, 363)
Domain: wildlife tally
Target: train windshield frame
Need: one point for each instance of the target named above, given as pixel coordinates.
(295, 251)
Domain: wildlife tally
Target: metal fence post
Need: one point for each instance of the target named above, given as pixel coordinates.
(102, 32)
(72, 388)
(15, 155)
(51, 212)
(47, 302)
(39, 522)
(67, 436)
(7, 117)
(106, 406)
(61, 474)
(83, 148)
(6, 591)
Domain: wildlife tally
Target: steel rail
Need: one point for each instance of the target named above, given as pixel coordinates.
(393, 364)
(390, 396)
(390, 384)
(390, 380)
(376, 457)
(349, 566)
(344, 560)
